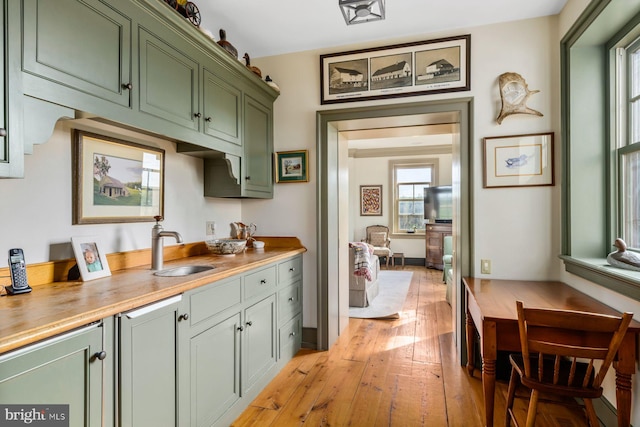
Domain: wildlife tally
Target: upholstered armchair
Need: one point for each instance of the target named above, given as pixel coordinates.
(378, 237)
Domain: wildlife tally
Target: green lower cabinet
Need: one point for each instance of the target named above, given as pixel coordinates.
(290, 338)
(258, 341)
(65, 370)
(148, 381)
(213, 371)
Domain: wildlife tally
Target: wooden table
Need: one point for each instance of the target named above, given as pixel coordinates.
(491, 311)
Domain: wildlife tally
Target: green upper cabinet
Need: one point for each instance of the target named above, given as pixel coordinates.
(169, 82)
(11, 147)
(222, 109)
(258, 148)
(84, 45)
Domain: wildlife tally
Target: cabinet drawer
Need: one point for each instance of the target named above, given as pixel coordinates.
(212, 299)
(259, 282)
(290, 338)
(289, 302)
(289, 271)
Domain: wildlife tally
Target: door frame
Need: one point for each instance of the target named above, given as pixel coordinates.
(327, 122)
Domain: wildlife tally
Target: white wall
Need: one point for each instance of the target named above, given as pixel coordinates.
(518, 229)
(36, 212)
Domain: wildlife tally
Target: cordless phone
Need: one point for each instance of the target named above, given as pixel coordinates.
(18, 269)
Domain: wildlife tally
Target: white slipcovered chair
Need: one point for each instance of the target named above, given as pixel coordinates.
(378, 237)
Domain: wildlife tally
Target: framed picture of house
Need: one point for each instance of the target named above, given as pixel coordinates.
(116, 181)
(518, 160)
(410, 69)
(371, 200)
(291, 166)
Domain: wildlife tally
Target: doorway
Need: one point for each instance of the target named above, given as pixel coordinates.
(332, 235)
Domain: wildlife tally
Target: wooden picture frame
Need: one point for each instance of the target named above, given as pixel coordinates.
(116, 181)
(91, 259)
(292, 166)
(409, 69)
(519, 160)
(371, 200)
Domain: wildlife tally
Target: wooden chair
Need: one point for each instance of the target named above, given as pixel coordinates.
(551, 342)
(378, 237)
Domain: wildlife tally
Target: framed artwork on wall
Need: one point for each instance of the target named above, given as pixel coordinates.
(291, 166)
(371, 200)
(116, 181)
(409, 69)
(518, 160)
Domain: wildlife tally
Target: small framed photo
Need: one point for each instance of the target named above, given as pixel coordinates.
(371, 200)
(518, 160)
(116, 181)
(291, 166)
(91, 259)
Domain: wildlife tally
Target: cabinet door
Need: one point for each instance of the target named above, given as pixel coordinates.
(222, 109)
(214, 372)
(148, 380)
(11, 123)
(259, 341)
(258, 148)
(61, 371)
(85, 45)
(169, 82)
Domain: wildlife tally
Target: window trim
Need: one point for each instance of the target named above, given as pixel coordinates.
(434, 163)
(601, 28)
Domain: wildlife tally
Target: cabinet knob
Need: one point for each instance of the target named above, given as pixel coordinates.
(292, 334)
(290, 298)
(101, 355)
(240, 328)
(182, 317)
(3, 132)
(248, 178)
(207, 119)
(197, 115)
(292, 269)
(249, 323)
(127, 86)
(263, 281)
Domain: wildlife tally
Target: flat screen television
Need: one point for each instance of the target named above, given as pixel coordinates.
(438, 204)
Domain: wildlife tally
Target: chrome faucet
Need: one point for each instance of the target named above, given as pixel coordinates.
(157, 248)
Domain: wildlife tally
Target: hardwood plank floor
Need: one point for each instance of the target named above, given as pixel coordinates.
(401, 372)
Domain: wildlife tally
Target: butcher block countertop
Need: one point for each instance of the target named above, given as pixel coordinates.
(56, 305)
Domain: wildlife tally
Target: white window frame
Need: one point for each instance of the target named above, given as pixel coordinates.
(409, 163)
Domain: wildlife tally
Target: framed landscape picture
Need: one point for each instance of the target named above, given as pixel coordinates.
(116, 181)
(410, 69)
(291, 166)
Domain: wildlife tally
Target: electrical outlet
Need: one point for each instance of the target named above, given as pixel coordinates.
(485, 266)
(211, 228)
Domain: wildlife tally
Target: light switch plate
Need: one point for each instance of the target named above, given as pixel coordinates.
(485, 266)
(211, 228)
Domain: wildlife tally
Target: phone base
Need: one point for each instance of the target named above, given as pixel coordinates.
(11, 291)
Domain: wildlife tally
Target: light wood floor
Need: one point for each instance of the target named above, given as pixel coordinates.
(400, 372)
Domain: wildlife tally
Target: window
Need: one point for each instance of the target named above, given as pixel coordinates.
(409, 183)
(628, 148)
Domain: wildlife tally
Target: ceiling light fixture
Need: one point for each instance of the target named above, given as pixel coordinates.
(359, 11)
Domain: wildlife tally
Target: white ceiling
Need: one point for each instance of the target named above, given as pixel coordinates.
(273, 27)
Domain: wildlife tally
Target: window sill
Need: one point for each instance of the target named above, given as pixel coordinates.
(402, 235)
(625, 282)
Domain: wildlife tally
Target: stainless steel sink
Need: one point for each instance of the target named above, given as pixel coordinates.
(184, 270)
